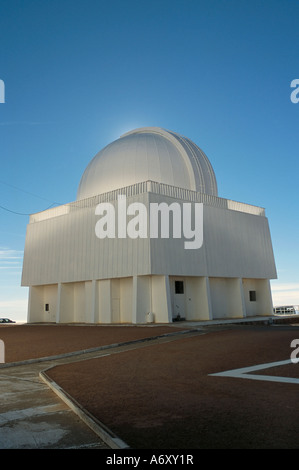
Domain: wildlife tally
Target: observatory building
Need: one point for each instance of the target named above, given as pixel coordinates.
(148, 240)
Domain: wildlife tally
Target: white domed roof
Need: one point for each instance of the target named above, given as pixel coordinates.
(148, 154)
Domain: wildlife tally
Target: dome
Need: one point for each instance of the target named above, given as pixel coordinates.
(148, 154)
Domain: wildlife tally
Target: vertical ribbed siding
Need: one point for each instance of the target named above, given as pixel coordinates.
(66, 249)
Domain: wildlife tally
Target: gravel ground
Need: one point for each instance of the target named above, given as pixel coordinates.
(161, 396)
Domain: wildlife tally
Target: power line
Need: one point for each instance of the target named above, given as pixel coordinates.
(22, 213)
(26, 192)
(13, 212)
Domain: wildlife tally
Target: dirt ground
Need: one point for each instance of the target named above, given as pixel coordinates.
(161, 396)
(31, 341)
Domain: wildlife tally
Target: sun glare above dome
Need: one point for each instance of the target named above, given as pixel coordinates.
(148, 154)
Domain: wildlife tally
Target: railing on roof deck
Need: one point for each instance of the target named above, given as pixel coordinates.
(151, 187)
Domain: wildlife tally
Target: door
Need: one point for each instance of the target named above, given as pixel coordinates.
(179, 300)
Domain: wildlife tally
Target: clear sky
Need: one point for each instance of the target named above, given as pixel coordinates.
(79, 73)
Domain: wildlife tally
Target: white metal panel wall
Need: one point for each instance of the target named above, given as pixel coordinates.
(66, 249)
(235, 244)
(168, 255)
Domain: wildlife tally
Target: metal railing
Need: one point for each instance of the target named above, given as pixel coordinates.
(148, 187)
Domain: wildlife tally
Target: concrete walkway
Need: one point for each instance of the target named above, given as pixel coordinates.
(33, 417)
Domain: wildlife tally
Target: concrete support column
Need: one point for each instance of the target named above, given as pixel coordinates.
(207, 307)
(58, 306)
(141, 304)
(266, 304)
(242, 298)
(103, 305)
(237, 307)
(93, 301)
(30, 305)
(89, 302)
(161, 300)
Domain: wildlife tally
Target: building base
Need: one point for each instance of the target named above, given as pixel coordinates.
(149, 299)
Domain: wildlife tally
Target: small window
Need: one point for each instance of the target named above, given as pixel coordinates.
(47, 307)
(179, 287)
(252, 295)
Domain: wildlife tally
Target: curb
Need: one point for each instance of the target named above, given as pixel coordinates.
(198, 327)
(106, 435)
(95, 349)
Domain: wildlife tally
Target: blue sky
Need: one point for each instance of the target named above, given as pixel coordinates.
(78, 74)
